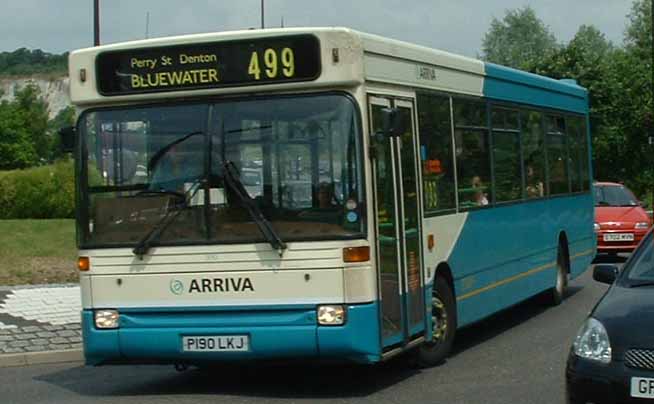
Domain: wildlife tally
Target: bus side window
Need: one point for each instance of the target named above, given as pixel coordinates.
(557, 155)
(436, 152)
(506, 154)
(585, 169)
(533, 148)
(578, 153)
(471, 139)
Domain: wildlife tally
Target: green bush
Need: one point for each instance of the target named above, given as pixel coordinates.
(46, 192)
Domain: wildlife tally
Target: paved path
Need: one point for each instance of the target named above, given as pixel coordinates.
(39, 318)
(517, 356)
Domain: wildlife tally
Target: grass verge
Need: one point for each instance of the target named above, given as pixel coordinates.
(37, 251)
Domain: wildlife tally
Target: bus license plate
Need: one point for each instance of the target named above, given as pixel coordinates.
(216, 343)
(642, 387)
(619, 237)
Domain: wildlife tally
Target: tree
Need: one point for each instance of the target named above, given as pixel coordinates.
(520, 40)
(589, 59)
(585, 58)
(636, 115)
(35, 117)
(24, 138)
(619, 81)
(16, 146)
(25, 62)
(638, 36)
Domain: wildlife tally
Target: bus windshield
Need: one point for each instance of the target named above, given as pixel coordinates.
(297, 157)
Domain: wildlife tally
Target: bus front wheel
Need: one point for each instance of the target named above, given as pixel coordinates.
(444, 321)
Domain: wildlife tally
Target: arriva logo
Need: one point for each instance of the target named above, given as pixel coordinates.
(177, 287)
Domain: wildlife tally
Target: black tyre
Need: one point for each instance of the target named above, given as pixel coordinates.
(444, 319)
(556, 294)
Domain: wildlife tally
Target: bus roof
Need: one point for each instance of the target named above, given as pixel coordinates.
(362, 57)
(494, 81)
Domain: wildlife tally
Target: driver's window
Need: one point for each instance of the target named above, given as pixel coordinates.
(177, 148)
(121, 154)
(177, 166)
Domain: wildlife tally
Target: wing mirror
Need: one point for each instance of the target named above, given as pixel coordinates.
(67, 137)
(605, 273)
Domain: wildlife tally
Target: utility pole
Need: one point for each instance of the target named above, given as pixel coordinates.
(262, 21)
(96, 22)
(147, 25)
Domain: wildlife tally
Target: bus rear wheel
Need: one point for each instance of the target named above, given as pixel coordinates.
(444, 322)
(556, 294)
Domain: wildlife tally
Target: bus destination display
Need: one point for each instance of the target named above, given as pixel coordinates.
(209, 65)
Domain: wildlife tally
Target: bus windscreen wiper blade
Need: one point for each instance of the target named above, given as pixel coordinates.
(158, 192)
(143, 246)
(251, 129)
(234, 182)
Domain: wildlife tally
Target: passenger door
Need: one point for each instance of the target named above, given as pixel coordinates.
(399, 261)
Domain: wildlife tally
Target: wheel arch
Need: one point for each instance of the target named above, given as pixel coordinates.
(563, 243)
(443, 269)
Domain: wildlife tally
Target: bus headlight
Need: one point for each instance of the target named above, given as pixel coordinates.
(331, 315)
(106, 319)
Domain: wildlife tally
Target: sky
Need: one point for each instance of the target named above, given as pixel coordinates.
(452, 25)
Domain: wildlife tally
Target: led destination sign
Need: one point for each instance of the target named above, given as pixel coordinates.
(209, 65)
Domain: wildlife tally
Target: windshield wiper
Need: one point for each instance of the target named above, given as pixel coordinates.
(234, 182)
(641, 283)
(155, 192)
(143, 246)
(262, 127)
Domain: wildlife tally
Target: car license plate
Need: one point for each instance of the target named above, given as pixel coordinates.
(642, 387)
(216, 343)
(619, 237)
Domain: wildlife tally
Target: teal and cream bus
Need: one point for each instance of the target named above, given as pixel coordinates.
(317, 193)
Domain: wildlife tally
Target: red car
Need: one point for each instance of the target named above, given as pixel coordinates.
(620, 221)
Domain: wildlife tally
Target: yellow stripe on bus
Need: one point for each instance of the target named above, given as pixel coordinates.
(507, 280)
(581, 254)
(519, 276)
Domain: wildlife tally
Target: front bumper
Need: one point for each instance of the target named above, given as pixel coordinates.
(588, 381)
(619, 246)
(155, 336)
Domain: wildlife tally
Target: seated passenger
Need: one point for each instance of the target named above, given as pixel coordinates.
(480, 197)
(535, 188)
